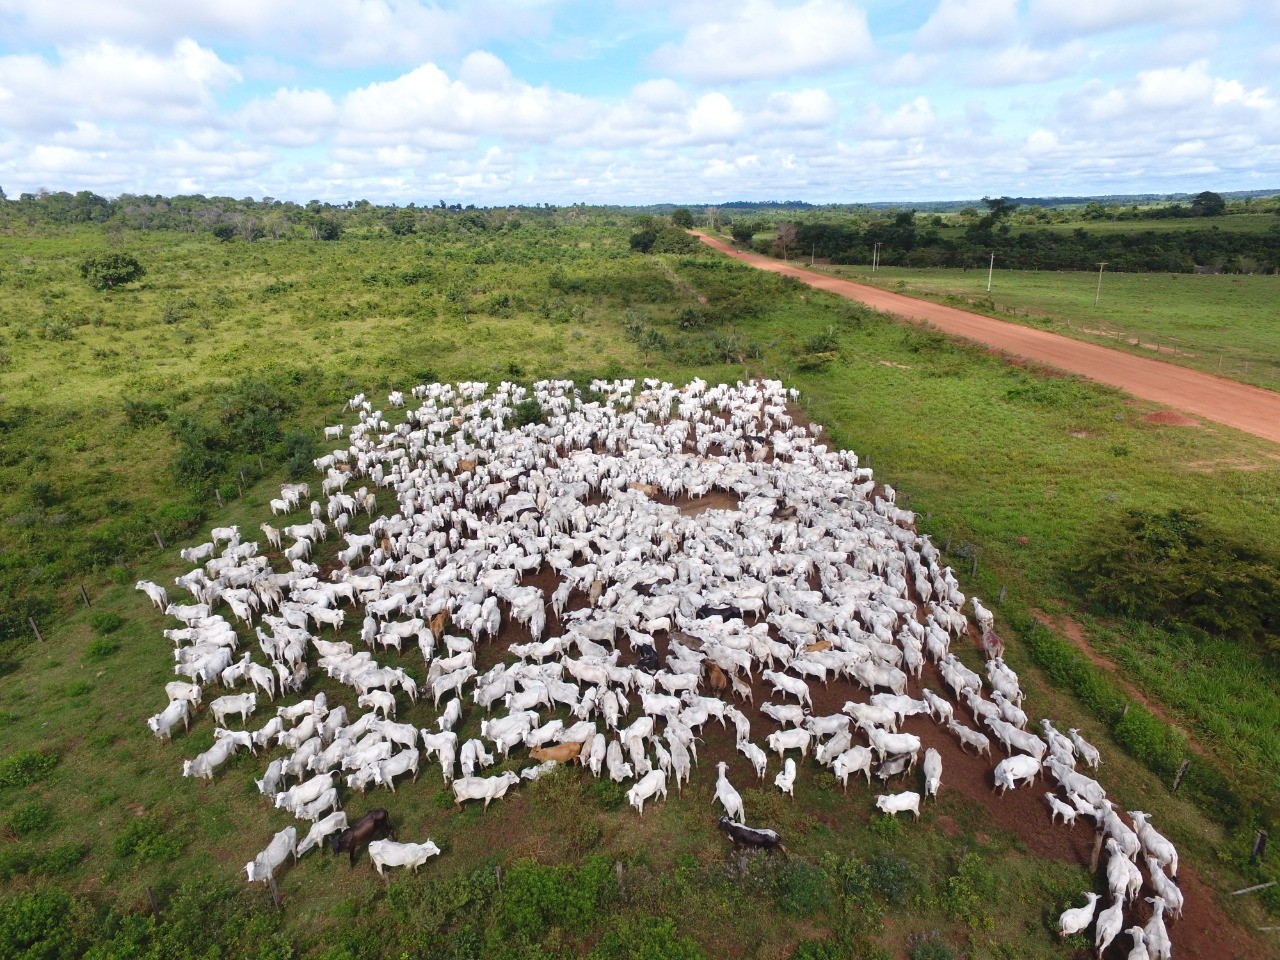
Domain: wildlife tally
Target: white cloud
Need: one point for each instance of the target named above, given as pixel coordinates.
(910, 121)
(425, 106)
(1022, 64)
(803, 109)
(333, 33)
(105, 81)
(972, 22)
(758, 39)
(1095, 16)
(291, 118)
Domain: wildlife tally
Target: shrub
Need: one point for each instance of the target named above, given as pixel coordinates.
(105, 621)
(892, 877)
(144, 841)
(25, 767)
(107, 270)
(1168, 565)
(800, 888)
(930, 946)
(36, 926)
(30, 819)
(970, 891)
(648, 938)
(528, 412)
(101, 648)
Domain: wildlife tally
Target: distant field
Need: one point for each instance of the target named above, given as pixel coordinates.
(1238, 223)
(1226, 325)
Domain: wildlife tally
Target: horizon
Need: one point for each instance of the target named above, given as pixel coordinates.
(623, 104)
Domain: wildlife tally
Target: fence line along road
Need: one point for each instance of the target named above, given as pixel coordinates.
(1239, 405)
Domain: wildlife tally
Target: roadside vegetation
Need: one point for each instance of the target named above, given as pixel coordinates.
(129, 411)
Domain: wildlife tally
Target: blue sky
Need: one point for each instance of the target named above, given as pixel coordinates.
(638, 101)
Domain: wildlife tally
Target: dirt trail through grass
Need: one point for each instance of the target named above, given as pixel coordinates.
(1251, 409)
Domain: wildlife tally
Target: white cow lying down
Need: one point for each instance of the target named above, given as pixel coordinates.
(483, 788)
(390, 853)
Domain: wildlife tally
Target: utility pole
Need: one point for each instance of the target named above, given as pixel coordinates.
(875, 256)
(990, 268)
(1098, 293)
(812, 251)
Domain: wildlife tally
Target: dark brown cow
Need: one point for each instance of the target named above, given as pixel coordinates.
(374, 825)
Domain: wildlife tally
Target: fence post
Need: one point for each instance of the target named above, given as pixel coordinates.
(85, 597)
(974, 571)
(159, 542)
(1259, 848)
(155, 904)
(35, 629)
(1182, 770)
(1001, 600)
(218, 496)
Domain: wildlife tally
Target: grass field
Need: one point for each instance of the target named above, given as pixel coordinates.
(1225, 325)
(988, 454)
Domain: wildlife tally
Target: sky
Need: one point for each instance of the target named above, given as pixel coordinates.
(498, 102)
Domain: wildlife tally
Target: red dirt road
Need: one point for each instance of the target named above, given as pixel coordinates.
(1250, 409)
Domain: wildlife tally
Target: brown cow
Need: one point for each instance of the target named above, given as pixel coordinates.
(560, 752)
(719, 682)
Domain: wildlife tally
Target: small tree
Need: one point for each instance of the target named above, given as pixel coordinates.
(681, 217)
(1208, 204)
(743, 231)
(784, 237)
(108, 270)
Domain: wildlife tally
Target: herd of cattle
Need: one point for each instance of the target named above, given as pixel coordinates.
(657, 617)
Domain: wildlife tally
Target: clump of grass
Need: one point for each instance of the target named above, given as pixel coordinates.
(25, 767)
(144, 840)
(105, 621)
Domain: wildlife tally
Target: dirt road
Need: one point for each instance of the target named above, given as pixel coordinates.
(1237, 405)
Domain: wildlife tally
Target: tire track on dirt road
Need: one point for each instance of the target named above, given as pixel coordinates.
(1238, 405)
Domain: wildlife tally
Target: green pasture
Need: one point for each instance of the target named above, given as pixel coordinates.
(1227, 325)
(1020, 470)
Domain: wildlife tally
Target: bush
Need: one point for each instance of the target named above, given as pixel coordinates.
(105, 621)
(648, 938)
(536, 897)
(800, 888)
(930, 946)
(970, 892)
(30, 819)
(36, 926)
(25, 767)
(1163, 566)
(107, 270)
(144, 841)
(528, 412)
(892, 877)
(101, 648)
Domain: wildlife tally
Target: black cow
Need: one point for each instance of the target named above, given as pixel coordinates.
(374, 825)
(756, 838)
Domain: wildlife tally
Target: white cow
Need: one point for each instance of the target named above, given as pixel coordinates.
(390, 853)
(162, 723)
(483, 788)
(322, 829)
(892, 803)
(263, 867)
(242, 703)
(652, 783)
